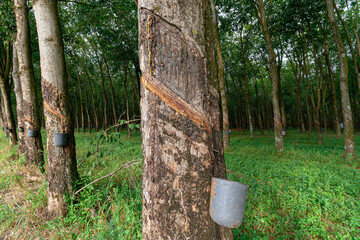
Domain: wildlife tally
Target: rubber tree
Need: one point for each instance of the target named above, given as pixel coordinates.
(31, 110)
(182, 143)
(224, 106)
(5, 91)
(62, 169)
(19, 101)
(344, 88)
(274, 75)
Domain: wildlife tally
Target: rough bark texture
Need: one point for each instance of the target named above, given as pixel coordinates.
(5, 93)
(344, 88)
(62, 170)
(19, 102)
(333, 93)
(182, 144)
(31, 111)
(224, 107)
(274, 76)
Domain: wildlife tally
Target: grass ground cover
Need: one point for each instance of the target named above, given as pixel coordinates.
(308, 192)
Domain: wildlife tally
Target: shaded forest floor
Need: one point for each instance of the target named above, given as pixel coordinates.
(308, 192)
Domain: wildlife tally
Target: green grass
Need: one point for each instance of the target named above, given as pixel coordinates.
(308, 192)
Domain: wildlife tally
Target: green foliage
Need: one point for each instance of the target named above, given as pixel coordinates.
(308, 192)
(7, 20)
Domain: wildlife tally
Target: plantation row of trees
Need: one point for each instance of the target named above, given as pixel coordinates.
(74, 64)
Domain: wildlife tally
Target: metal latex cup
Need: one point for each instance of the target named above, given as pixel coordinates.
(227, 202)
(60, 139)
(31, 133)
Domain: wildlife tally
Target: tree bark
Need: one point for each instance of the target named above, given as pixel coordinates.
(274, 76)
(182, 143)
(5, 92)
(224, 107)
(344, 89)
(19, 102)
(31, 111)
(62, 168)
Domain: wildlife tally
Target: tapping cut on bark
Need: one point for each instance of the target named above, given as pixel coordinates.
(175, 102)
(62, 169)
(182, 143)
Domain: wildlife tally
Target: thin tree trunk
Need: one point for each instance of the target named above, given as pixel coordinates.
(224, 107)
(344, 89)
(259, 108)
(81, 102)
(89, 122)
(115, 116)
(5, 92)
(62, 167)
(323, 99)
(127, 100)
(318, 94)
(333, 93)
(251, 127)
(97, 125)
(106, 122)
(19, 102)
(297, 74)
(352, 51)
(274, 76)
(182, 143)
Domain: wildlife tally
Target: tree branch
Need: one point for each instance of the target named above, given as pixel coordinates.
(126, 165)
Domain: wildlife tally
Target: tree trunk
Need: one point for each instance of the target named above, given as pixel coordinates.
(31, 111)
(19, 102)
(259, 108)
(323, 99)
(5, 92)
(182, 144)
(105, 122)
(248, 111)
(318, 95)
(281, 99)
(81, 102)
(224, 107)
(297, 74)
(97, 125)
(89, 122)
(111, 85)
(344, 89)
(333, 93)
(62, 168)
(127, 100)
(274, 76)
(352, 51)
